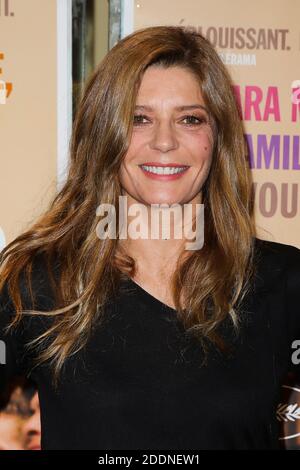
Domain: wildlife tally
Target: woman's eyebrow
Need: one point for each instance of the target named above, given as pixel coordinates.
(177, 108)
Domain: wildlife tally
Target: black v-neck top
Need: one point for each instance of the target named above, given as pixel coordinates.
(139, 383)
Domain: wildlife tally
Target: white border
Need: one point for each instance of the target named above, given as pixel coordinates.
(64, 86)
(127, 17)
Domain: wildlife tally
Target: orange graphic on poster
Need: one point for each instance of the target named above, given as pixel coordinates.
(5, 87)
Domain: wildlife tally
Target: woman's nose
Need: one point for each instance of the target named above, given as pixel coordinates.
(164, 137)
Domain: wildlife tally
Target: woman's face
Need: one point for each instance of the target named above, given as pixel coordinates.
(163, 134)
(32, 428)
(11, 436)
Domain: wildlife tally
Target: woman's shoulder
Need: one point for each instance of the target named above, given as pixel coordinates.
(17, 357)
(276, 261)
(279, 252)
(279, 273)
(38, 294)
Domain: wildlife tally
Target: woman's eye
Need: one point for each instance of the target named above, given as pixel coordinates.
(194, 120)
(138, 118)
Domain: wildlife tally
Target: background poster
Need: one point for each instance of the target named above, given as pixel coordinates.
(28, 141)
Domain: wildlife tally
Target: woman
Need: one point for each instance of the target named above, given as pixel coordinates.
(14, 416)
(147, 344)
(32, 427)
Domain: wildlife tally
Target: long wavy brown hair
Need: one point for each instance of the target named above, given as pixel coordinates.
(214, 279)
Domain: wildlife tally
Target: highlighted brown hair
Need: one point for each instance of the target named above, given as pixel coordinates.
(214, 279)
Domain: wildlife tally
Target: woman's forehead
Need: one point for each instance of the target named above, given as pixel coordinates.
(176, 88)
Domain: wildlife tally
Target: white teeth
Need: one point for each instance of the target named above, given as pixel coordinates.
(167, 170)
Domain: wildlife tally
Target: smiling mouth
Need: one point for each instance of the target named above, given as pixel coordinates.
(162, 170)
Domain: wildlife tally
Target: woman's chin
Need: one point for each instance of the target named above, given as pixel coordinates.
(163, 200)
